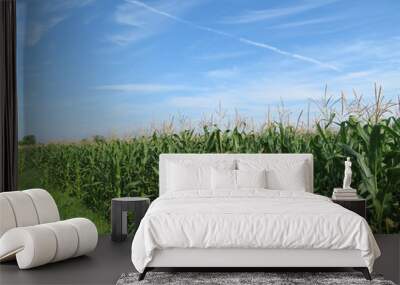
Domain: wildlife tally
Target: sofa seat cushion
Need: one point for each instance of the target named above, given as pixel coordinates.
(40, 244)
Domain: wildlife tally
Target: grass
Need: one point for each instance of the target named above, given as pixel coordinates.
(69, 207)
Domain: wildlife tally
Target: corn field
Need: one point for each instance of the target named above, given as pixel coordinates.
(99, 170)
(95, 171)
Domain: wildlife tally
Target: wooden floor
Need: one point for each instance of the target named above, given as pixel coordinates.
(103, 266)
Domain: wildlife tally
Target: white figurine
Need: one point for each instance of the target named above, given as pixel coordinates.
(347, 174)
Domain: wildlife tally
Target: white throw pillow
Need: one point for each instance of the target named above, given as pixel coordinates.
(188, 174)
(223, 179)
(281, 174)
(251, 178)
(188, 177)
(293, 178)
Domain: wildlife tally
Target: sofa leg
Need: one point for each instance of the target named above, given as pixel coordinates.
(364, 271)
(143, 274)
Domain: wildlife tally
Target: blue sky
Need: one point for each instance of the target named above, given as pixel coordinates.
(109, 67)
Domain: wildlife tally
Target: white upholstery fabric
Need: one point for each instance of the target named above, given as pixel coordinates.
(280, 161)
(31, 232)
(7, 220)
(255, 257)
(33, 246)
(26, 208)
(66, 237)
(231, 180)
(87, 234)
(223, 179)
(187, 174)
(188, 177)
(45, 205)
(251, 178)
(184, 174)
(283, 173)
(23, 208)
(292, 177)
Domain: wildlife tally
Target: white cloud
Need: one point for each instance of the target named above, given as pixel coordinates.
(387, 51)
(61, 5)
(142, 23)
(241, 39)
(145, 88)
(36, 30)
(223, 55)
(55, 11)
(362, 59)
(251, 99)
(260, 85)
(195, 102)
(128, 37)
(253, 95)
(129, 15)
(289, 54)
(222, 73)
(267, 14)
(297, 24)
(357, 74)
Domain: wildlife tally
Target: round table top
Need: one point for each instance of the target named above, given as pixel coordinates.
(131, 199)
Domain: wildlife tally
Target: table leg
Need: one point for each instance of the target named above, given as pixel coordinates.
(116, 221)
(124, 225)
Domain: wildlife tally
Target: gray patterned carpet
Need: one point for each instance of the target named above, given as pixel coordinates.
(225, 278)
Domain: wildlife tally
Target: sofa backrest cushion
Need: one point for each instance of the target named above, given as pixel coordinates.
(7, 219)
(26, 208)
(45, 205)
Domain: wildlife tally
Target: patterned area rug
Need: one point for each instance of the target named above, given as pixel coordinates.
(225, 278)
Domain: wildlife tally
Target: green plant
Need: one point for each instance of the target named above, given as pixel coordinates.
(69, 207)
(377, 155)
(94, 171)
(28, 140)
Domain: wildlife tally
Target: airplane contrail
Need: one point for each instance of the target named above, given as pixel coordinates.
(240, 39)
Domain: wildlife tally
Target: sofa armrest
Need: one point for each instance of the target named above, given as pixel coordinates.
(40, 244)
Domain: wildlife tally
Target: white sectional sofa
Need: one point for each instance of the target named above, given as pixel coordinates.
(31, 231)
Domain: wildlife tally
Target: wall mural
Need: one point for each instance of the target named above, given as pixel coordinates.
(106, 86)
